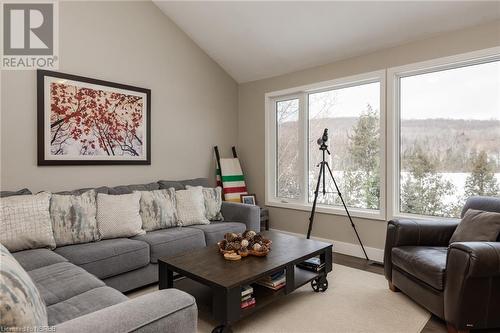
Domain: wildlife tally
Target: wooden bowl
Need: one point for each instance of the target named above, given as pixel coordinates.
(258, 253)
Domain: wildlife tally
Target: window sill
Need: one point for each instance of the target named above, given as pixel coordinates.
(323, 209)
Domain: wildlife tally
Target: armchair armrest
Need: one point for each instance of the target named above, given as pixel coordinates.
(415, 232)
(472, 288)
(238, 212)
(168, 310)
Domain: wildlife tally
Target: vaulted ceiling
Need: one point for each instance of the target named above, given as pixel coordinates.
(255, 40)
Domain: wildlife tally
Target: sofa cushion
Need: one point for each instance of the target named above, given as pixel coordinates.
(108, 257)
(427, 264)
(24, 191)
(166, 184)
(168, 242)
(81, 304)
(36, 258)
(203, 182)
(477, 226)
(181, 184)
(190, 207)
(215, 231)
(25, 222)
(158, 209)
(21, 304)
(102, 189)
(127, 189)
(61, 281)
(119, 215)
(74, 218)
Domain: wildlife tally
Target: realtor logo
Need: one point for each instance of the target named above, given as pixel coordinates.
(29, 35)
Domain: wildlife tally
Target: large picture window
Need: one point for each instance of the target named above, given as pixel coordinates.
(351, 109)
(449, 137)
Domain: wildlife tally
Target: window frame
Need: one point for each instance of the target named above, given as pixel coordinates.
(394, 74)
(302, 93)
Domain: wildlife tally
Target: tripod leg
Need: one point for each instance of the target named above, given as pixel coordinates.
(316, 192)
(347, 211)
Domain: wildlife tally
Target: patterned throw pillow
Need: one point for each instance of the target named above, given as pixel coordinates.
(158, 209)
(118, 215)
(22, 306)
(213, 202)
(25, 222)
(190, 206)
(74, 218)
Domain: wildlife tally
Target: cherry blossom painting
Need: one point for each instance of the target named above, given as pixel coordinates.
(88, 121)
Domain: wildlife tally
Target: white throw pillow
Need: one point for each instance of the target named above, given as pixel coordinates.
(190, 207)
(118, 215)
(158, 209)
(25, 222)
(213, 202)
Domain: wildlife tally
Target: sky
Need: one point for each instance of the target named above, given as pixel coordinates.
(471, 92)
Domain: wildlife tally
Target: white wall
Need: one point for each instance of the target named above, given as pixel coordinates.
(251, 122)
(194, 102)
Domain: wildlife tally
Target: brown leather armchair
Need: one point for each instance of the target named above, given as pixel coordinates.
(458, 282)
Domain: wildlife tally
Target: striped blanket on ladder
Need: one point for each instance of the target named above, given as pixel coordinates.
(230, 177)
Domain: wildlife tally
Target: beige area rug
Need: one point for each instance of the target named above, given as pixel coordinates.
(356, 301)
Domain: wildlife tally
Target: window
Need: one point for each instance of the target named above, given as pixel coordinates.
(351, 109)
(439, 144)
(287, 163)
(448, 136)
(352, 115)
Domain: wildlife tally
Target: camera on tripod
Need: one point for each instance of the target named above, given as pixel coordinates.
(324, 138)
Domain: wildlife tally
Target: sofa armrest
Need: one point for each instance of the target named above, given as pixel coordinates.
(472, 288)
(238, 212)
(415, 232)
(168, 310)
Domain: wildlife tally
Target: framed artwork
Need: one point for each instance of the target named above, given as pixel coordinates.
(248, 199)
(84, 121)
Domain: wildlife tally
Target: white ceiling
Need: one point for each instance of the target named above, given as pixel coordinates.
(255, 40)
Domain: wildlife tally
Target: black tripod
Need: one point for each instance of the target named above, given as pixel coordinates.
(321, 180)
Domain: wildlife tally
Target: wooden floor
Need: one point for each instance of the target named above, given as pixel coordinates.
(434, 325)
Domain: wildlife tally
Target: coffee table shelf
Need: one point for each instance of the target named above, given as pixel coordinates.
(303, 277)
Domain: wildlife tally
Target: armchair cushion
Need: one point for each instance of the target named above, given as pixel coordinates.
(416, 232)
(477, 225)
(428, 264)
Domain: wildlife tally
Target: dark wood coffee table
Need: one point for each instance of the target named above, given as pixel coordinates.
(225, 278)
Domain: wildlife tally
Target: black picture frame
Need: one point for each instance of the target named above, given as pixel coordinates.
(41, 116)
(244, 197)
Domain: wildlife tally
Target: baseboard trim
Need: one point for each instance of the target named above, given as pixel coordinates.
(346, 248)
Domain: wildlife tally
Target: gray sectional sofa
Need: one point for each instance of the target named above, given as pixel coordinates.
(82, 284)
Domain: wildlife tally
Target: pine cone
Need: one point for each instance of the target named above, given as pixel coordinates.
(233, 246)
(258, 238)
(249, 234)
(223, 244)
(230, 236)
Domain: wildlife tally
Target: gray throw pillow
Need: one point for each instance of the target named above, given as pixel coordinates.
(74, 218)
(477, 226)
(23, 309)
(158, 209)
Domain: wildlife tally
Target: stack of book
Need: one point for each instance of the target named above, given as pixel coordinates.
(312, 264)
(247, 299)
(275, 281)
